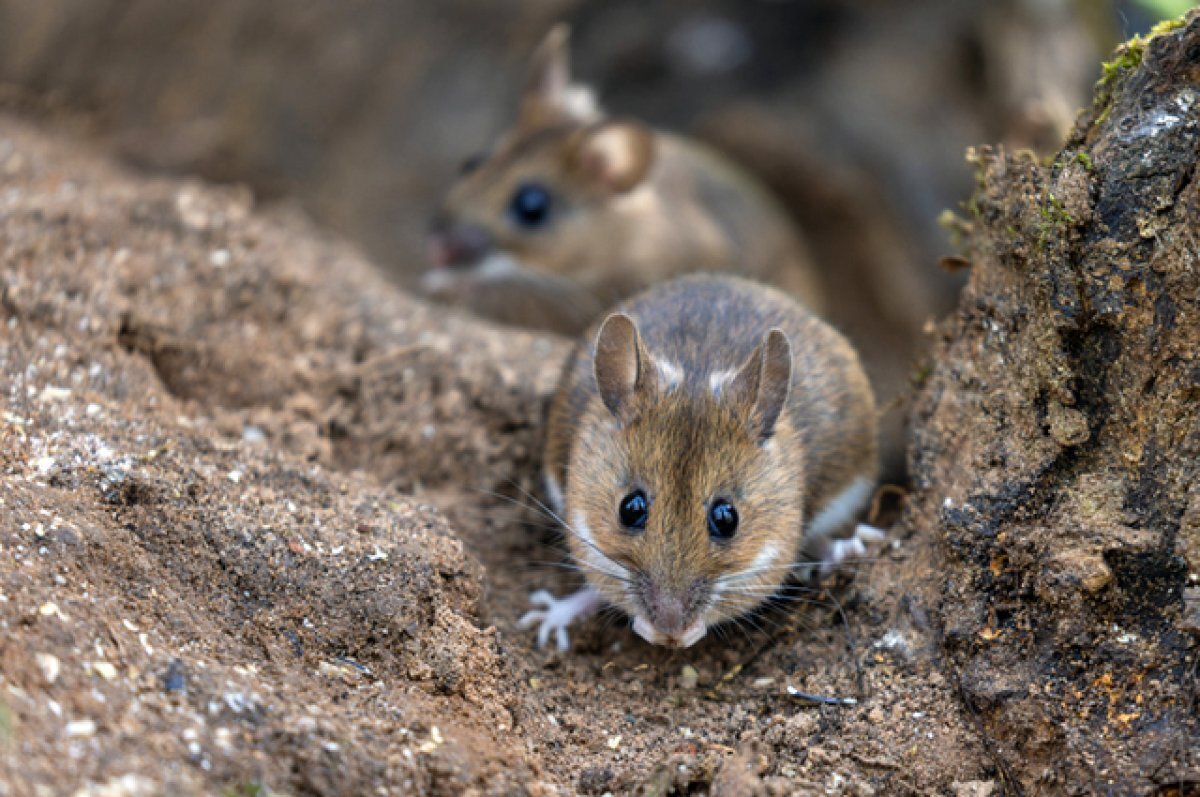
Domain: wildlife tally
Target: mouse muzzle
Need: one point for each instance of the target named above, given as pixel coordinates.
(671, 618)
(464, 258)
(683, 639)
(456, 244)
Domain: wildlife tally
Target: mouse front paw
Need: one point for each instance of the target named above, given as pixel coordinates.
(553, 615)
(853, 547)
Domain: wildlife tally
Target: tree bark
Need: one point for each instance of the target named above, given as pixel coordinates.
(1056, 442)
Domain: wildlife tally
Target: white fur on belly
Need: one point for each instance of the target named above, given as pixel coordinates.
(840, 510)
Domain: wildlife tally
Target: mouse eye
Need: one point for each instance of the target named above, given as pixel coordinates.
(471, 164)
(530, 205)
(722, 520)
(634, 510)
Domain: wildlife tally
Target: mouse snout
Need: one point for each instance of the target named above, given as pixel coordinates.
(456, 244)
(671, 616)
(668, 612)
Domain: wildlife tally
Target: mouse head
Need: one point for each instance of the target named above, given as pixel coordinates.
(544, 200)
(685, 490)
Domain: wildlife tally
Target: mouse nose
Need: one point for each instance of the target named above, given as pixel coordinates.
(668, 613)
(455, 244)
(672, 612)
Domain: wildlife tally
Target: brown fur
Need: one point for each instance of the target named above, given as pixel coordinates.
(632, 206)
(792, 426)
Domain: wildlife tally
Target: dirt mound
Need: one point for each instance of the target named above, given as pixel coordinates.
(215, 576)
(191, 596)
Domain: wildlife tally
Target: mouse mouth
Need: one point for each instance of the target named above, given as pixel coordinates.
(683, 639)
(447, 280)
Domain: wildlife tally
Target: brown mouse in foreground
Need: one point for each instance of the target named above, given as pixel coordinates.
(714, 437)
(572, 210)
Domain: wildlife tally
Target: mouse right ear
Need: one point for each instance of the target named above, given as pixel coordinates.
(763, 382)
(614, 156)
(549, 96)
(622, 366)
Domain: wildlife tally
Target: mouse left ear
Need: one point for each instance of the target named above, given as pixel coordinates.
(622, 366)
(615, 155)
(763, 382)
(549, 96)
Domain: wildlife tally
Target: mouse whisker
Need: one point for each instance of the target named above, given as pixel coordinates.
(536, 506)
(751, 572)
(773, 595)
(618, 572)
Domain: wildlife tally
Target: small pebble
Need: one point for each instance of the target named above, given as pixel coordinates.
(50, 666)
(104, 669)
(52, 393)
(688, 677)
(173, 680)
(51, 610)
(80, 728)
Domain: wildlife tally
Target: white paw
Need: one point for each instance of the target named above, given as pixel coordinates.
(553, 615)
(838, 551)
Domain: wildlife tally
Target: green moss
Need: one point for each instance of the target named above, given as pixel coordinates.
(1054, 215)
(957, 227)
(1128, 57)
(1062, 161)
(1168, 25)
(1055, 212)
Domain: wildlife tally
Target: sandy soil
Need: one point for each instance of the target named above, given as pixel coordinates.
(266, 526)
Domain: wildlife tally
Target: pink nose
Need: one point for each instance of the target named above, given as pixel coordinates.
(456, 244)
(670, 609)
(668, 613)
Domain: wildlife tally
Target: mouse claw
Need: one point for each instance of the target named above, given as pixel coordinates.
(839, 551)
(553, 615)
(868, 533)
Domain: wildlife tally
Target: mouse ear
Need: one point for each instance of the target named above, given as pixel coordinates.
(549, 97)
(622, 366)
(614, 156)
(763, 382)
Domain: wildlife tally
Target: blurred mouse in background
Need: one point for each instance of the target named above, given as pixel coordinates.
(572, 210)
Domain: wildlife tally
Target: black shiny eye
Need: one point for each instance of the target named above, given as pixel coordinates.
(530, 205)
(722, 520)
(471, 164)
(634, 510)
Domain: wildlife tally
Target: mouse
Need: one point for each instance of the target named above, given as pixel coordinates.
(709, 439)
(572, 210)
